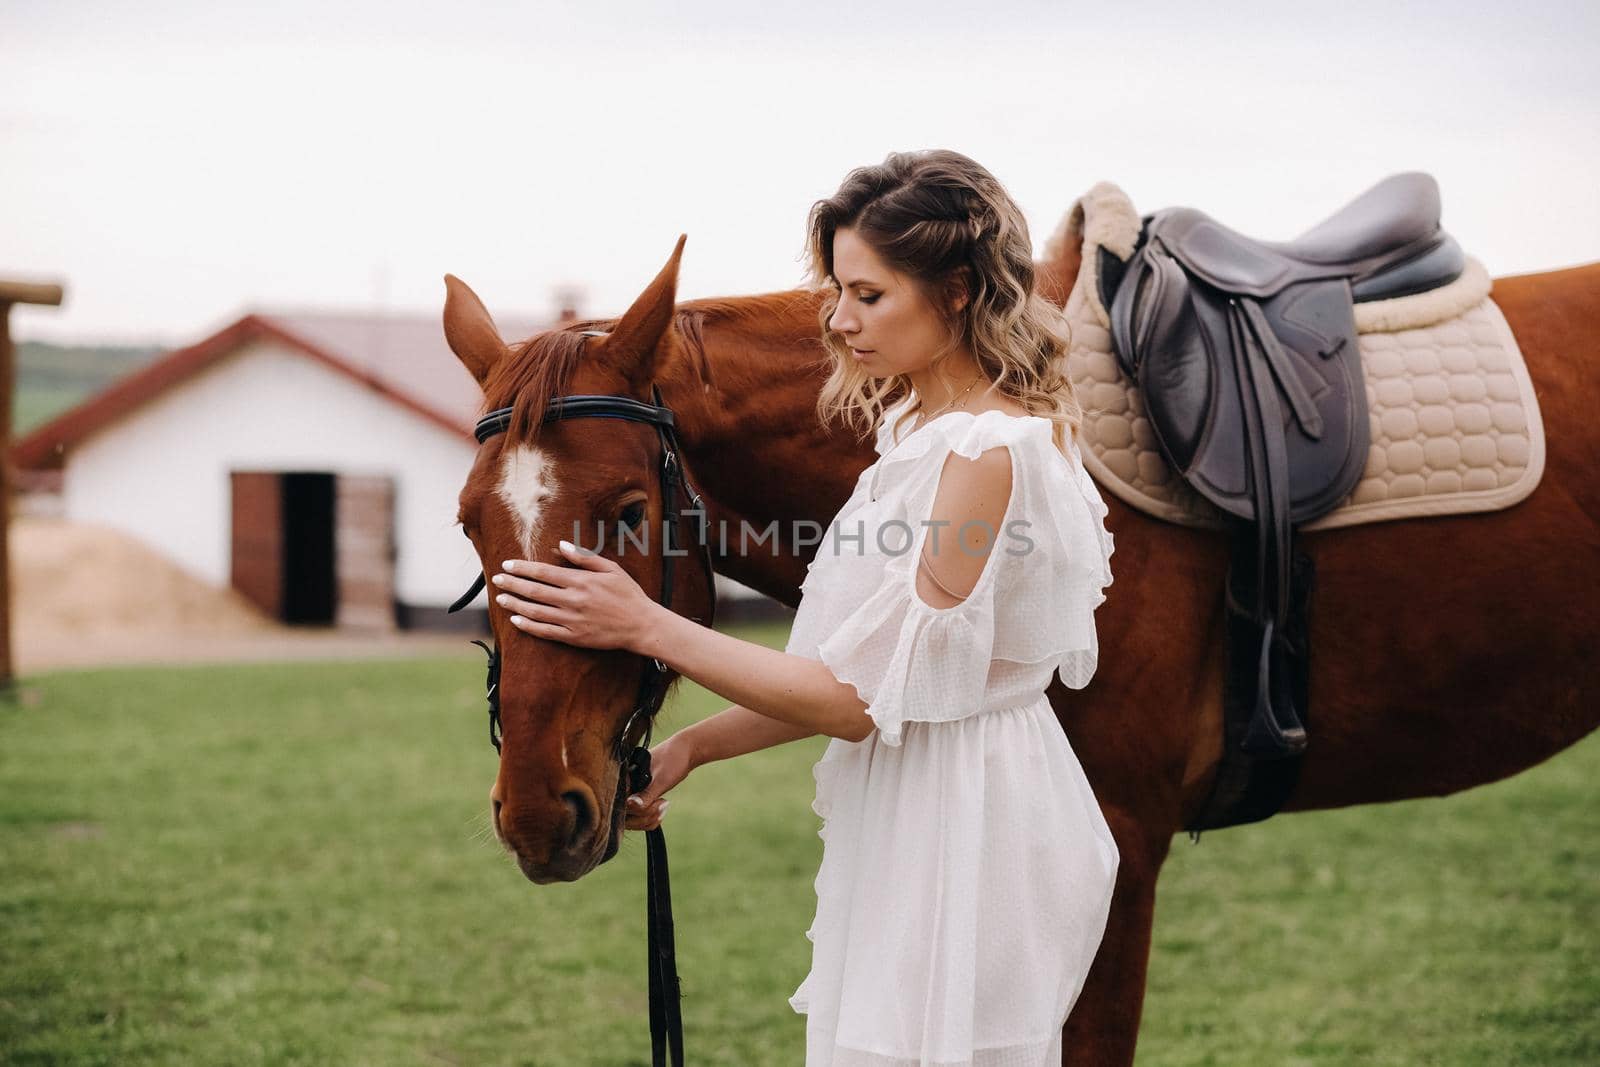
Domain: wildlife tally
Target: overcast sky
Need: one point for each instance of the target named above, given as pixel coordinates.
(176, 163)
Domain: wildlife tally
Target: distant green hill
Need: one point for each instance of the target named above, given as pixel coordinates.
(52, 378)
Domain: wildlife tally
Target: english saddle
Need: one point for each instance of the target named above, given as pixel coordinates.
(1245, 354)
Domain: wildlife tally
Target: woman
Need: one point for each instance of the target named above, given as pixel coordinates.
(967, 870)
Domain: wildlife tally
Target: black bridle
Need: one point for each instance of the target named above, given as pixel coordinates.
(666, 1024)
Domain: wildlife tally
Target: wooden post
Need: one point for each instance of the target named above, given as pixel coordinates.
(11, 293)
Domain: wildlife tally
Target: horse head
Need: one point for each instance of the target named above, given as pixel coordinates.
(603, 473)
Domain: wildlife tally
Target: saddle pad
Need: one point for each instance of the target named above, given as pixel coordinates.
(1455, 423)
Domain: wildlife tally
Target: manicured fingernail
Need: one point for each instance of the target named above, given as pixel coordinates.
(566, 546)
(506, 565)
(498, 579)
(517, 620)
(503, 598)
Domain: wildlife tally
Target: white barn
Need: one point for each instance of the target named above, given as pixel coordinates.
(312, 461)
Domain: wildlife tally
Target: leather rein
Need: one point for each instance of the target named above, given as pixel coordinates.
(666, 1024)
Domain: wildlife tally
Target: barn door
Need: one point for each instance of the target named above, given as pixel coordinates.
(364, 535)
(257, 552)
(310, 593)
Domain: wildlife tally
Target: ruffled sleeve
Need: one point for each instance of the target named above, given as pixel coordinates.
(1075, 571)
(1033, 603)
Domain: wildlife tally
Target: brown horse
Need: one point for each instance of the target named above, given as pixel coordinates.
(1450, 652)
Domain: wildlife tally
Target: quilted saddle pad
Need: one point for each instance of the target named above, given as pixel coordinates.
(1455, 423)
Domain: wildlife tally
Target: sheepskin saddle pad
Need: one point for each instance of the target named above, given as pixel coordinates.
(1455, 426)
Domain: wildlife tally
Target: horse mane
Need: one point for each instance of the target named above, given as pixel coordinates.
(534, 371)
(540, 368)
(771, 309)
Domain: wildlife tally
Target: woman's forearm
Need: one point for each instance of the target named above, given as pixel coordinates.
(737, 731)
(795, 690)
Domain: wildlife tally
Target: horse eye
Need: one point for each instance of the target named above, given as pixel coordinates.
(633, 514)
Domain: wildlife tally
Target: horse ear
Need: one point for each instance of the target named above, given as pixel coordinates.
(469, 330)
(638, 331)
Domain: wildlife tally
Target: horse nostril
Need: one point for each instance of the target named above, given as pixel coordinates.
(495, 813)
(582, 816)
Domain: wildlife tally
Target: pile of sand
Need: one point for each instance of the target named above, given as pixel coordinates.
(78, 582)
(88, 596)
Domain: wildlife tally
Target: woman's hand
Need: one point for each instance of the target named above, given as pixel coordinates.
(670, 763)
(595, 604)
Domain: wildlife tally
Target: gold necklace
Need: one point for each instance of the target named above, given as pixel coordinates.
(947, 405)
(872, 491)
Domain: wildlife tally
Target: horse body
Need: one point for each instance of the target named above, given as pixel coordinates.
(1452, 651)
(1448, 652)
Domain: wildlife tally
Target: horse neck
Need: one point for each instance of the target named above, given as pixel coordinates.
(753, 444)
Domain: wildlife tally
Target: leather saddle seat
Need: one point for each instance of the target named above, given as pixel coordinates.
(1246, 354)
(1387, 242)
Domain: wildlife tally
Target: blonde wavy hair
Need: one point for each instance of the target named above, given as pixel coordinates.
(942, 219)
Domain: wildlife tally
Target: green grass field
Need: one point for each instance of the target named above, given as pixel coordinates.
(291, 865)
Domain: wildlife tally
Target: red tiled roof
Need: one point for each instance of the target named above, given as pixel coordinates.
(402, 358)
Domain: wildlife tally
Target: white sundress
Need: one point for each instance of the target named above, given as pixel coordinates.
(967, 869)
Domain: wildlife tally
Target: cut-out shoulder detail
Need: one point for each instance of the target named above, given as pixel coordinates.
(1028, 615)
(966, 522)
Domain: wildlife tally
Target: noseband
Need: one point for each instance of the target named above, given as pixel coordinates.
(666, 1026)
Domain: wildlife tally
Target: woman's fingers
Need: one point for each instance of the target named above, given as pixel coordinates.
(646, 817)
(527, 589)
(638, 802)
(530, 610)
(535, 571)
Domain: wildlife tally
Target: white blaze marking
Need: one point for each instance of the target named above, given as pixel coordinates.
(527, 482)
